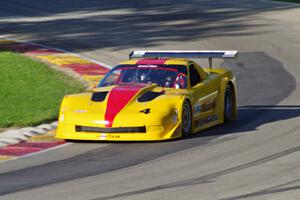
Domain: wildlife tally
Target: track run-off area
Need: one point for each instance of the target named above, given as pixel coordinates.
(16, 143)
(255, 157)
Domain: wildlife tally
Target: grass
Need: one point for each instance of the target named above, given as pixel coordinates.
(291, 1)
(30, 91)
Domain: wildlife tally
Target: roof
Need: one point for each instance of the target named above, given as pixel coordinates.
(168, 61)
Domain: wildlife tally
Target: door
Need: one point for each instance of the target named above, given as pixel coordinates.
(204, 94)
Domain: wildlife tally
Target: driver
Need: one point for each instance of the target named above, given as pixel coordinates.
(142, 76)
(180, 81)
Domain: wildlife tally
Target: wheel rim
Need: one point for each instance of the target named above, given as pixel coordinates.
(228, 106)
(186, 118)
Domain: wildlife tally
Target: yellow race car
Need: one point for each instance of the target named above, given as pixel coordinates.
(156, 95)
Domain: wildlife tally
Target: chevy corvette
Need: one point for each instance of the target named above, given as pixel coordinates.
(155, 95)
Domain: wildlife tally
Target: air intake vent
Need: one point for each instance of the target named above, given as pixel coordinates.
(99, 96)
(149, 96)
(137, 129)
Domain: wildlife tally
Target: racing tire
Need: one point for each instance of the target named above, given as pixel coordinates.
(228, 104)
(186, 119)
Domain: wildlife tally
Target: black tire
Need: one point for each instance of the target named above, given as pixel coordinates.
(228, 105)
(186, 119)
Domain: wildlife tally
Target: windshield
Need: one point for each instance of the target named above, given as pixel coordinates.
(172, 76)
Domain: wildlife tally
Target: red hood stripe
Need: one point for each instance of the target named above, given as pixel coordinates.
(118, 98)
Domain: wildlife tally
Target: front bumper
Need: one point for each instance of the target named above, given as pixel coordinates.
(151, 133)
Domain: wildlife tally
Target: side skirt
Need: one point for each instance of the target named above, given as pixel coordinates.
(206, 122)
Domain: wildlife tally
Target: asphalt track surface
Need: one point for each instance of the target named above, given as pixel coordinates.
(256, 157)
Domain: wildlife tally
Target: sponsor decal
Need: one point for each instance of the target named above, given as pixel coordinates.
(151, 61)
(209, 119)
(113, 136)
(197, 108)
(147, 66)
(207, 106)
(103, 136)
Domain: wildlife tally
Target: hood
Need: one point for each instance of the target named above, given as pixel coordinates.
(106, 103)
(118, 98)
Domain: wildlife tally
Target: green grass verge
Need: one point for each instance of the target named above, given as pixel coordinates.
(291, 1)
(30, 91)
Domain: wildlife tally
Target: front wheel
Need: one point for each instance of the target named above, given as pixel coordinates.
(186, 119)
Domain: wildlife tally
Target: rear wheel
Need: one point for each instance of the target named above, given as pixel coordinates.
(228, 104)
(186, 119)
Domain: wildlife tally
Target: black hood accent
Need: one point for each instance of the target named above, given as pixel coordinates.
(99, 96)
(149, 96)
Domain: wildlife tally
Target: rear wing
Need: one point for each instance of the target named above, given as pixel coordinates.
(224, 54)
